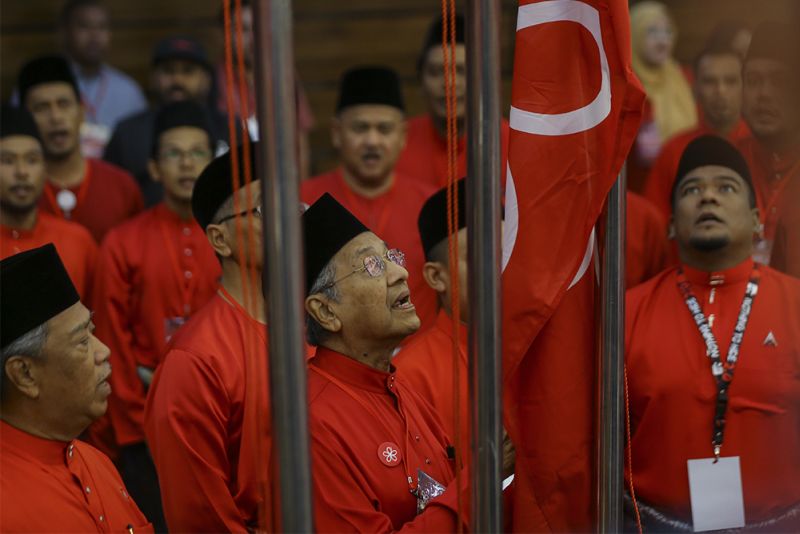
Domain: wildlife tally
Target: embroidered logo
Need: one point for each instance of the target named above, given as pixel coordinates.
(770, 340)
(389, 454)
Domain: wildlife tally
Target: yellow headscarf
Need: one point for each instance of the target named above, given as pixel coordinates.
(666, 86)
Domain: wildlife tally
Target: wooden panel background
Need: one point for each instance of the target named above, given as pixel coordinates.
(330, 36)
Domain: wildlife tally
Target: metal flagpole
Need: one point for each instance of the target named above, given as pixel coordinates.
(612, 424)
(483, 223)
(282, 253)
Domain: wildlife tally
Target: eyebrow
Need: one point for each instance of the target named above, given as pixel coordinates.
(82, 326)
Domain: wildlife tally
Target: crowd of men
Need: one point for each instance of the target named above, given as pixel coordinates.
(134, 343)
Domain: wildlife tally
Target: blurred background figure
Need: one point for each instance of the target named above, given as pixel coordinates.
(733, 34)
(670, 106)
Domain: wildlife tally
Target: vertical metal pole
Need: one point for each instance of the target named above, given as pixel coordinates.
(282, 253)
(612, 424)
(483, 228)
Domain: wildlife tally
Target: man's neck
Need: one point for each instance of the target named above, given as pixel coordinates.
(724, 129)
(67, 172)
(714, 260)
(19, 221)
(368, 190)
(87, 70)
(440, 125)
(182, 208)
(233, 284)
(376, 357)
(27, 420)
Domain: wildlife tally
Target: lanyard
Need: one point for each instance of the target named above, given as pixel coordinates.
(383, 220)
(348, 390)
(722, 371)
(186, 287)
(82, 189)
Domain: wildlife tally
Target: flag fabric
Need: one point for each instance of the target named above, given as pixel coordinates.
(576, 107)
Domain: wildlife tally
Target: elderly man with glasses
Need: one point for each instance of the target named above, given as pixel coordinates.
(381, 459)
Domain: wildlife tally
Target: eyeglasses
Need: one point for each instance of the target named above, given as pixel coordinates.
(175, 155)
(374, 265)
(255, 211)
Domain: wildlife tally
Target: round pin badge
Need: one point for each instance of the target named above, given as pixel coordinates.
(66, 200)
(389, 454)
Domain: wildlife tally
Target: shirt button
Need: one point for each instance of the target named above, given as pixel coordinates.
(416, 438)
(187, 230)
(102, 518)
(187, 252)
(88, 489)
(188, 275)
(428, 461)
(70, 450)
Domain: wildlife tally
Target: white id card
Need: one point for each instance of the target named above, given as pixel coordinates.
(715, 490)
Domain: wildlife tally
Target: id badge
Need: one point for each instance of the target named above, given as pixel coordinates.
(171, 325)
(94, 138)
(715, 491)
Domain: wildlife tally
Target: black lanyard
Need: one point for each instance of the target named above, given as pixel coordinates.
(722, 371)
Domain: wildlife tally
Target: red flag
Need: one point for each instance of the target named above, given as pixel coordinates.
(576, 107)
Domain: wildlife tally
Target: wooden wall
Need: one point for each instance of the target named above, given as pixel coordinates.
(330, 36)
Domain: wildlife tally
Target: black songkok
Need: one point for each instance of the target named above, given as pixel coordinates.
(35, 288)
(712, 150)
(432, 220)
(215, 185)
(327, 227)
(434, 38)
(370, 85)
(180, 114)
(17, 121)
(45, 69)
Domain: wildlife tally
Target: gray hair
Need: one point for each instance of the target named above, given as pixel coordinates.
(315, 333)
(29, 344)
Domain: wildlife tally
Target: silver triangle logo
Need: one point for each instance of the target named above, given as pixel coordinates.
(770, 340)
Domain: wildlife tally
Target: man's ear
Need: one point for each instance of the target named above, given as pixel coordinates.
(671, 228)
(152, 170)
(318, 308)
(218, 238)
(336, 132)
(436, 276)
(21, 374)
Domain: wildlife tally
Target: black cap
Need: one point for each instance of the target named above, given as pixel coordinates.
(35, 287)
(215, 184)
(327, 227)
(712, 150)
(180, 47)
(17, 121)
(434, 38)
(181, 114)
(45, 69)
(432, 221)
(370, 85)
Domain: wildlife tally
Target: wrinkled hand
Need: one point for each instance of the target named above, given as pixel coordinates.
(509, 455)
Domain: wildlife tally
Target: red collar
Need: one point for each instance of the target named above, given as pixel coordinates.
(352, 372)
(445, 323)
(163, 212)
(739, 273)
(16, 233)
(46, 451)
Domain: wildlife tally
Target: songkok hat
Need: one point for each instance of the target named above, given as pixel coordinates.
(180, 47)
(432, 220)
(712, 150)
(370, 85)
(35, 287)
(774, 40)
(327, 227)
(215, 184)
(45, 69)
(434, 38)
(17, 121)
(180, 114)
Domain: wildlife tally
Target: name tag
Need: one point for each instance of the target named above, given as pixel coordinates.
(715, 490)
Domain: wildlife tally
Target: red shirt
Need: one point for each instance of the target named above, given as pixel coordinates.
(74, 244)
(201, 421)
(393, 217)
(57, 486)
(141, 297)
(673, 394)
(786, 249)
(424, 157)
(106, 197)
(647, 251)
(658, 185)
(426, 363)
(369, 432)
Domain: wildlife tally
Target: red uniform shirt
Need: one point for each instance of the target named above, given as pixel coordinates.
(154, 271)
(647, 251)
(57, 486)
(369, 433)
(658, 185)
(200, 422)
(424, 157)
(106, 197)
(673, 394)
(786, 249)
(74, 244)
(426, 364)
(393, 217)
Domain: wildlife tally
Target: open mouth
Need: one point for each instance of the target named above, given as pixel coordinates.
(21, 190)
(403, 301)
(708, 217)
(58, 136)
(371, 158)
(186, 183)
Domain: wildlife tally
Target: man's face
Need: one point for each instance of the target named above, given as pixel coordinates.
(58, 115)
(369, 138)
(73, 370)
(183, 153)
(658, 42)
(376, 309)
(175, 80)
(718, 88)
(433, 82)
(21, 173)
(712, 210)
(87, 35)
(770, 98)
